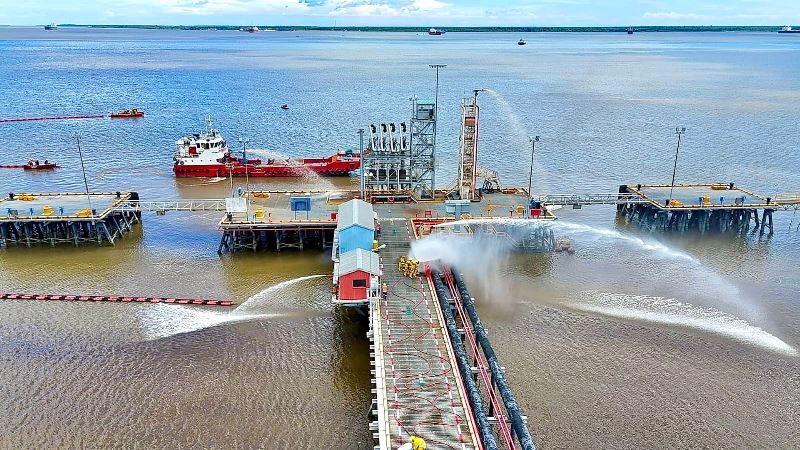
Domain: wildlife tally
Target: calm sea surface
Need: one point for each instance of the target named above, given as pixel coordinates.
(635, 341)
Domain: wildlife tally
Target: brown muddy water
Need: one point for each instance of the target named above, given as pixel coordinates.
(635, 341)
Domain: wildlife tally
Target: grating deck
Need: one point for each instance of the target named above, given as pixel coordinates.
(418, 385)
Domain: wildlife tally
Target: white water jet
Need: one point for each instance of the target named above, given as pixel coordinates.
(160, 320)
(669, 311)
(519, 135)
(308, 175)
(260, 299)
(677, 265)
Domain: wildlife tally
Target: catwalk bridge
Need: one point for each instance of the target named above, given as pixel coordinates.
(434, 370)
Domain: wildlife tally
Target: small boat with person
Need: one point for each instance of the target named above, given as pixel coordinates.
(285, 106)
(35, 164)
(132, 113)
(521, 42)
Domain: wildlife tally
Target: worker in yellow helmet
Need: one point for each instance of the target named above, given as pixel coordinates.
(414, 443)
(401, 265)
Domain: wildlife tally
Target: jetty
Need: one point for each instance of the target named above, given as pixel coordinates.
(434, 373)
(28, 219)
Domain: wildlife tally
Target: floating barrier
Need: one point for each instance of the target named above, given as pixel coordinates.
(32, 119)
(114, 298)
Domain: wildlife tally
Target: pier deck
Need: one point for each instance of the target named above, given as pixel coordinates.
(418, 385)
(64, 205)
(691, 196)
(61, 218)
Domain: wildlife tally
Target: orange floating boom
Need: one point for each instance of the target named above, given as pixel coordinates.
(108, 298)
(31, 119)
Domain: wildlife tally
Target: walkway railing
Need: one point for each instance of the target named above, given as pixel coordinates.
(614, 198)
(217, 204)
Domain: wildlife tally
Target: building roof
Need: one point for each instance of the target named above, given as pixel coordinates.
(356, 212)
(359, 259)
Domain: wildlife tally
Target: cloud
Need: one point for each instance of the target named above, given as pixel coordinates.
(672, 15)
(369, 8)
(212, 7)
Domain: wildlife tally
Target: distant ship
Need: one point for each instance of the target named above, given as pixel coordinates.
(52, 26)
(251, 29)
(787, 29)
(630, 30)
(435, 32)
(521, 42)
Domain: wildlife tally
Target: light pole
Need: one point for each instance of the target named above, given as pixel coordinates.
(83, 169)
(436, 95)
(435, 118)
(244, 143)
(533, 140)
(680, 131)
(361, 161)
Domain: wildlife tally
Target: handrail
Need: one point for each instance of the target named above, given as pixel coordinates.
(517, 423)
(217, 204)
(480, 362)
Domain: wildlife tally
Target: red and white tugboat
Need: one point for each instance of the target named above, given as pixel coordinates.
(206, 154)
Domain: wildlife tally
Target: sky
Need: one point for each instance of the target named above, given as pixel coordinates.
(403, 12)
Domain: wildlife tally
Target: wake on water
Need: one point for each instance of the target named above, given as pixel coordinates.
(160, 321)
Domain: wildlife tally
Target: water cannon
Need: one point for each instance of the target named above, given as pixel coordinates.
(383, 127)
(393, 128)
(372, 127)
(403, 127)
(476, 91)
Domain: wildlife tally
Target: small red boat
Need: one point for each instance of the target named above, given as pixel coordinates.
(36, 165)
(127, 114)
(207, 154)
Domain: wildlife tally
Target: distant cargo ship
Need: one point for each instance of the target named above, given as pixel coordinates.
(52, 26)
(435, 32)
(630, 30)
(206, 154)
(787, 30)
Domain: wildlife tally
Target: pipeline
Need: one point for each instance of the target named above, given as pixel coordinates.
(32, 119)
(489, 441)
(112, 298)
(517, 424)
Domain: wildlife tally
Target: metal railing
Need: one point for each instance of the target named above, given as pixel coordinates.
(217, 204)
(614, 198)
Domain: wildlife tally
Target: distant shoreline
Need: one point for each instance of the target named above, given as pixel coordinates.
(615, 29)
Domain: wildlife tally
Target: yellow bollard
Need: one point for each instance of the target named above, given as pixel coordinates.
(259, 214)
